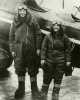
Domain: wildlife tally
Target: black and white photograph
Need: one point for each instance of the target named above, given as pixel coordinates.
(39, 49)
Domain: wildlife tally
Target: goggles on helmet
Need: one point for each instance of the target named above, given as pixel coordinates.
(56, 22)
(20, 7)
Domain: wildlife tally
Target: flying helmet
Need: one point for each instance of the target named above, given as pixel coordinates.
(20, 7)
(56, 22)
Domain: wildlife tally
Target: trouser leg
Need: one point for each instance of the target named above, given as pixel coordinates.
(20, 71)
(21, 87)
(33, 71)
(55, 93)
(44, 89)
(46, 82)
(57, 83)
(34, 87)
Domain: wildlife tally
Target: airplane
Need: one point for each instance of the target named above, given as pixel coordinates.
(70, 22)
(45, 18)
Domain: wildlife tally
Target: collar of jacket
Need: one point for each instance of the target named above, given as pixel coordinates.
(28, 22)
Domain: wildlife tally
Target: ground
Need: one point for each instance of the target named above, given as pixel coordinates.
(70, 87)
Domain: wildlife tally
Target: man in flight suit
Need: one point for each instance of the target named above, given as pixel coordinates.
(25, 47)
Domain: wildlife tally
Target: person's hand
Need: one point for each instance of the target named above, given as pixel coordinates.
(38, 52)
(68, 63)
(42, 62)
(13, 54)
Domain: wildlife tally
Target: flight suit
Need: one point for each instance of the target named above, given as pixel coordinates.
(55, 52)
(24, 41)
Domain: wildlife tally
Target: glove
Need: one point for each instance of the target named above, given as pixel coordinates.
(38, 52)
(42, 62)
(68, 64)
(44, 66)
(13, 54)
(68, 69)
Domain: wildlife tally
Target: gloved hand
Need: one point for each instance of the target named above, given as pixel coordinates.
(68, 69)
(68, 64)
(42, 62)
(38, 52)
(13, 54)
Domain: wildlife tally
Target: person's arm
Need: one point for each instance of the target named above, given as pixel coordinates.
(12, 36)
(38, 36)
(44, 48)
(68, 47)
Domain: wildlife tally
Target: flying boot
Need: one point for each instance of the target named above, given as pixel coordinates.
(20, 92)
(44, 91)
(34, 87)
(55, 93)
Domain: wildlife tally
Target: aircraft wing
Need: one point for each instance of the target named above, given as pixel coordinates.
(45, 19)
(72, 28)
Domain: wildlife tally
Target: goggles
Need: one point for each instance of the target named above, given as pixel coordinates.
(56, 22)
(20, 7)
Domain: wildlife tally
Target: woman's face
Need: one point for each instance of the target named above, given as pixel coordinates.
(22, 12)
(56, 27)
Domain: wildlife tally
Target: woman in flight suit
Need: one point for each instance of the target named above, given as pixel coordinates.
(55, 56)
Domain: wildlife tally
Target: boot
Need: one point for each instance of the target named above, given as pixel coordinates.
(4, 73)
(55, 96)
(44, 90)
(34, 87)
(55, 93)
(20, 92)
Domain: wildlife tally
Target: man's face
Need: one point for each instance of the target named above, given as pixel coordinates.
(22, 12)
